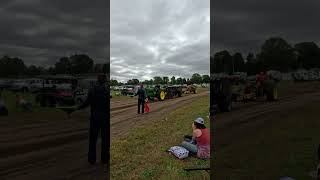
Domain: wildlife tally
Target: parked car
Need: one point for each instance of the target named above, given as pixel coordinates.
(19, 85)
(4, 84)
(128, 91)
(26, 85)
(57, 90)
(52, 97)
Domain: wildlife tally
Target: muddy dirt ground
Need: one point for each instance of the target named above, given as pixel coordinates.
(248, 119)
(49, 146)
(56, 148)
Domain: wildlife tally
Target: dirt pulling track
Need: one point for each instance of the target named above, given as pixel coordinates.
(247, 118)
(58, 149)
(124, 119)
(247, 121)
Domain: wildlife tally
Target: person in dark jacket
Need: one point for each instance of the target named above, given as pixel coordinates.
(142, 95)
(98, 99)
(3, 108)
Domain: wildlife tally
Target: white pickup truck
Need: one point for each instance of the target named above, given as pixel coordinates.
(26, 85)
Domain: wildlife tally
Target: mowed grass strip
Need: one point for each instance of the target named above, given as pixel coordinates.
(287, 146)
(142, 155)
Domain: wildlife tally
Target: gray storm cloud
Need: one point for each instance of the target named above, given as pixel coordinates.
(159, 38)
(243, 26)
(42, 31)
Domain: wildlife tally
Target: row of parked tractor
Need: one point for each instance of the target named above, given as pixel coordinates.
(52, 90)
(237, 87)
(158, 92)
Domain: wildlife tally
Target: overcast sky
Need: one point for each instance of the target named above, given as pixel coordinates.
(244, 25)
(42, 31)
(159, 38)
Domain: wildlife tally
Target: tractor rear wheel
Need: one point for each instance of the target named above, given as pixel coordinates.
(179, 93)
(275, 94)
(162, 95)
(225, 103)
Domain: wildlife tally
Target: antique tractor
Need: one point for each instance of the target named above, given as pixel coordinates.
(191, 89)
(162, 93)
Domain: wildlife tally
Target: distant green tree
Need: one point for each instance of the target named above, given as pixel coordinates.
(165, 80)
(12, 67)
(205, 79)
(252, 66)
(238, 62)
(63, 66)
(81, 64)
(179, 80)
(308, 55)
(222, 62)
(51, 70)
(106, 68)
(173, 80)
(33, 70)
(276, 54)
(188, 81)
(114, 82)
(184, 81)
(135, 81)
(196, 78)
(157, 80)
(130, 82)
(146, 82)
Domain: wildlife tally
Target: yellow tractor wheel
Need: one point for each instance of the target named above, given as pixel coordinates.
(162, 95)
(275, 93)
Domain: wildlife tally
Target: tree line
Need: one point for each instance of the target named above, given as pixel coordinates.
(195, 79)
(275, 54)
(75, 64)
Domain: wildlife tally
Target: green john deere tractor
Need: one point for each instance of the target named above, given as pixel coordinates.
(165, 92)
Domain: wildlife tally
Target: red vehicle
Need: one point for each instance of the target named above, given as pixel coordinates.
(61, 92)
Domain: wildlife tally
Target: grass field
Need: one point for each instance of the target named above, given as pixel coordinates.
(142, 154)
(9, 99)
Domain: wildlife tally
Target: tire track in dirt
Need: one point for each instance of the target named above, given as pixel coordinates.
(39, 164)
(232, 127)
(122, 123)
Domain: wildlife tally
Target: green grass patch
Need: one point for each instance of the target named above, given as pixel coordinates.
(141, 155)
(287, 146)
(202, 89)
(9, 99)
(39, 114)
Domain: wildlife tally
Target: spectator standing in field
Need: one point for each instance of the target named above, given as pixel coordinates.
(98, 100)
(142, 95)
(3, 108)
